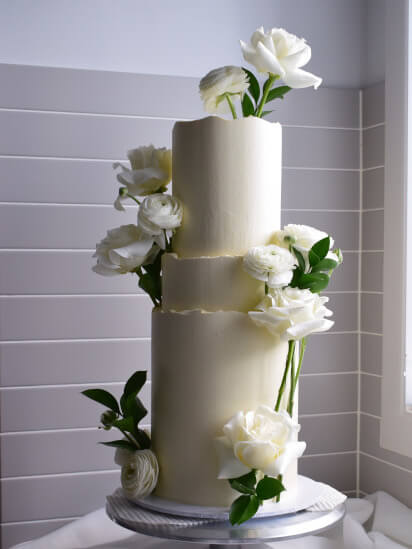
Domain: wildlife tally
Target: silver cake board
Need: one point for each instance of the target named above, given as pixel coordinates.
(291, 523)
(306, 493)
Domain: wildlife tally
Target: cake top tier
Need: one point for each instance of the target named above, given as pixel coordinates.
(228, 176)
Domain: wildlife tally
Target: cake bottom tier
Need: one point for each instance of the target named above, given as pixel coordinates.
(205, 368)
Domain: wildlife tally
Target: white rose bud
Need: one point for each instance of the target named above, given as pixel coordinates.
(151, 171)
(139, 474)
(123, 250)
(261, 439)
(280, 53)
(270, 264)
(218, 82)
(160, 212)
(292, 313)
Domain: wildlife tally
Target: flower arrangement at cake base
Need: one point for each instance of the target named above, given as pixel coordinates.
(230, 333)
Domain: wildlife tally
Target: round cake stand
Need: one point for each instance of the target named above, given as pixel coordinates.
(221, 534)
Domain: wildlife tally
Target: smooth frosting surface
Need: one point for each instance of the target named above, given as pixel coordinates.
(209, 283)
(228, 176)
(205, 368)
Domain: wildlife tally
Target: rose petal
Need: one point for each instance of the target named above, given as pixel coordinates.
(229, 466)
(301, 79)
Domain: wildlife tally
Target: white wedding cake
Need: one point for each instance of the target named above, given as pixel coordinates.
(235, 298)
(209, 359)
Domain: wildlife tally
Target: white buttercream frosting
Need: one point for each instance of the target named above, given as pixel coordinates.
(208, 283)
(227, 174)
(205, 368)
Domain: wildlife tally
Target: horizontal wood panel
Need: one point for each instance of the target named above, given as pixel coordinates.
(106, 137)
(61, 407)
(62, 362)
(342, 226)
(27, 226)
(64, 407)
(80, 181)
(55, 497)
(11, 534)
(70, 272)
(80, 227)
(80, 317)
(90, 317)
(73, 451)
(59, 89)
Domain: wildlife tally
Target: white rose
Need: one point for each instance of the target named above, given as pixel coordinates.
(218, 82)
(139, 474)
(260, 439)
(123, 250)
(281, 53)
(151, 171)
(271, 264)
(158, 212)
(292, 313)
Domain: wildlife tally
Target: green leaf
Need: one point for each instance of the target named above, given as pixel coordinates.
(315, 282)
(102, 397)
(268, 488)
(135, 382)
(151, 285)
(126, 424)
(243, 508)
(313, 258)
(325, 265)
(265, 113)
(297, 273)
(247, 106)
(124, 444)
(278, 93)
(248, 480)
(254, 88)
(321, 248)
(300, 258)
(133, 406)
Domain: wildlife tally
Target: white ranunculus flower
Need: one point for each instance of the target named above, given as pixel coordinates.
(231, 80)
(123, 250)
(151, 171)
(281, 53)
(302, 237)
(261, 439)
(271, 264)
(139, 474)
(292, 313)
(158, 212)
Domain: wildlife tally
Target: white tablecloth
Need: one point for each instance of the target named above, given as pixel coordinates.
(389, 527)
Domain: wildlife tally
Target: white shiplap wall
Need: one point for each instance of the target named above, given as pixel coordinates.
(63, 329)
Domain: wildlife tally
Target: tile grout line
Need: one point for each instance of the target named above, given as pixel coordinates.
(359, 315)
(405, 469)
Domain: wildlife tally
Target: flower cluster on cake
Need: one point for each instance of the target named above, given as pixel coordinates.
(235, 296)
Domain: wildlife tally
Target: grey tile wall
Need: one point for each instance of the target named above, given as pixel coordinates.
(60, 131)
(380, 469)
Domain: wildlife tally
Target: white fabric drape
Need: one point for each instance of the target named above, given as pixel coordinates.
(376, 522)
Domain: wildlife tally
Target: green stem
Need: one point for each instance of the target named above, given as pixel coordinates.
(269, 82)
(133, 198)
(266, 288)
(302, 347)
(282, 387)
(292, 381)
(231, 105)
(130, 439)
